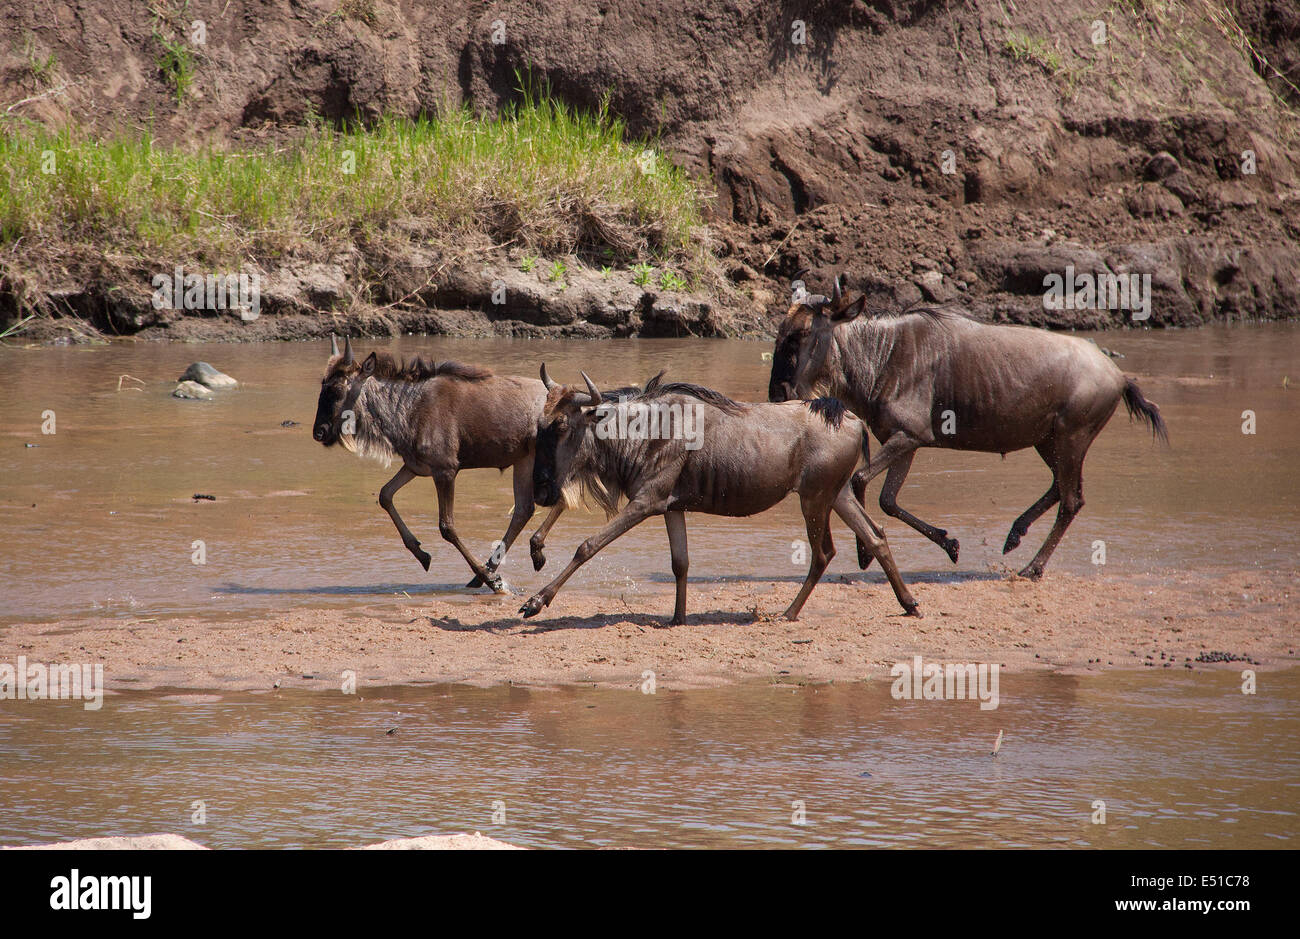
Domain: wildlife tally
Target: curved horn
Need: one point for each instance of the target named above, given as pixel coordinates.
(347, 351)
(547, 380)
(591, 389)
(334, 344)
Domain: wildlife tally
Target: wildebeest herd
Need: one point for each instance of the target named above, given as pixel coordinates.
(924, 377)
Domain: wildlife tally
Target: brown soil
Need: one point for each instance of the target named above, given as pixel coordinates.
(850, 631)
(825, 155)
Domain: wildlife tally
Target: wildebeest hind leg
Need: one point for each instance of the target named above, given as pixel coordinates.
(386, 494)
(859, 483)
(447, 526)
(847, 508)
(523, 511)
(816, 515)
(1020, 527)
(889, 505)
(1069, 478)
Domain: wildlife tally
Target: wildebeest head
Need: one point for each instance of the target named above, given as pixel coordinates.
(338, 392)
(566, 421)
(564, 435)
(795, 335)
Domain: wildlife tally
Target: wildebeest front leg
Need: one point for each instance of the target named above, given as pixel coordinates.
(446, 525)
(538, 541)
(847, 508)
(523, 511)
(633, 514)
(676, 523)
(899, 445)
(386, 494)
(889, 505)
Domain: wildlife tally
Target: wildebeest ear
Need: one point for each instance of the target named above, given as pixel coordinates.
(368, 366)
(850, 312)
(653, 383)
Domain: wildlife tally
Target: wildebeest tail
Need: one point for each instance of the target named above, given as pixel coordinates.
(1144, 410)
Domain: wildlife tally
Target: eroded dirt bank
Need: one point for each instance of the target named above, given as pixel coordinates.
(850, 631)
(931, 151)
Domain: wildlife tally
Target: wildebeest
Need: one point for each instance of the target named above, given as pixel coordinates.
(931, 377)
(438, 419)
(746, 458)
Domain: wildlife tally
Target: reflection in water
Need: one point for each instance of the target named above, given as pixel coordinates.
(1180, 761)
(98, 518)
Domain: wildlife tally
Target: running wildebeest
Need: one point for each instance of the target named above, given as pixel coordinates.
(438, 419)
(744, 458)
(934, 378)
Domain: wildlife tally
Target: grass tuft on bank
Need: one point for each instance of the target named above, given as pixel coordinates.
(539, 176)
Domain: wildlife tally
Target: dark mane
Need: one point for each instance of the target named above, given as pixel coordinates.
(707, 395)
(421, 369)
(832, 410)
(934, 313)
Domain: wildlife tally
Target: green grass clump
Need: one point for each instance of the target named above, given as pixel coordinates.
(1024, 48)
(539, 176)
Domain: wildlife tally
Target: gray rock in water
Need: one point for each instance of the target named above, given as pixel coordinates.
(192, 389)
(205, 374)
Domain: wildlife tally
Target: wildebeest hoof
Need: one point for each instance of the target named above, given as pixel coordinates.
(539, 560)
(422, 557)
(952, 546)
(497, 584)
(913, 610)
(532, 607)
(478, 581)
(1031, 573)
(1013, 542)
(864, 557)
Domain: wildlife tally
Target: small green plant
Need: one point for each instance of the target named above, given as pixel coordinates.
(41, 68)
(362, 10)
(671, 280)
(176, 63)
(1024, 48)
(17, 327)
(528, 263)
(605, 271)
(557, 271)
(641, 273)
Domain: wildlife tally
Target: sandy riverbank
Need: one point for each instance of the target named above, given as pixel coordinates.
(850, 631)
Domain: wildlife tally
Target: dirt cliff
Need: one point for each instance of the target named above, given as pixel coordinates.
(929, 150)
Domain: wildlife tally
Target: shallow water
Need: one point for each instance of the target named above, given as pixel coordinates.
(1180, 761)
(98, 519)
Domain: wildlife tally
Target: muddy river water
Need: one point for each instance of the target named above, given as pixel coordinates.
(1177, 760)
(97, 519)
